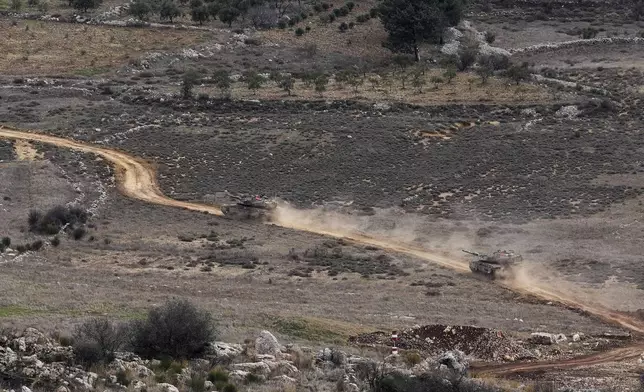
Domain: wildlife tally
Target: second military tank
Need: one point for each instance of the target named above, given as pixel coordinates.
(497, 265)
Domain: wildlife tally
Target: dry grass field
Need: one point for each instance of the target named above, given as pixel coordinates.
(465, 88)
(47, 48)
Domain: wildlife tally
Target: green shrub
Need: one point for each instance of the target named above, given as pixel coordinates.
(589, 33)
(96, 340)
(363, 18)
(218, 375)
(123, 377)
(36, 245)
(197, 382)
(252, 378)
(229, 388)
(281, 24)
(490, 37)
(79, 233)
(177, 329)
(188, 81)
(343, 27)
(350, 5)
(88, 354)
(55, 219)
(6, 242)
(299, 32)
(412, 358)
(55, 241)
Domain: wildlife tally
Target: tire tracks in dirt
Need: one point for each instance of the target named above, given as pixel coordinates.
(137, 179)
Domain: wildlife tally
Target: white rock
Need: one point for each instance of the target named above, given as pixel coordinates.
(282, 367)
(266, 343)
(253, 367)
(139, 385)
(285, 379)
(381, 106)
(24, 389)
(576, 337)
(570, 111)
(560, 338)
(165, 387)
(208, 385)
(542, 338)
(22, 345)
(238, 375)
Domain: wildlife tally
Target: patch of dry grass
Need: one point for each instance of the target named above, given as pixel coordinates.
(364, 40)
(39, 48)
(465, 88)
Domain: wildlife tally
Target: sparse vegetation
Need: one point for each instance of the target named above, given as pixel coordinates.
(85, 5)
(140, 9)
(518, 73)
(490, 37)
(96, 340)
(412, 22)
(177, 329)
(189, 80)
(168, 10)
(56, 219)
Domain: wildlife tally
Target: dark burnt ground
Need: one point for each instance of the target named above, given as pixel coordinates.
(499, 11)
(309, 153)
(6, 151)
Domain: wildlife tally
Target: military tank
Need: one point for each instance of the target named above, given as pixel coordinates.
(497, 265)
(255, 207)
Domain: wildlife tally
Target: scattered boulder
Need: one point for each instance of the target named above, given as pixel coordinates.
(454, 360)
(542, 338)
(238, 375)
(285, 379)
(259, 368)
(570, 111)
(165, 387)
(282, 367)
(267, 343)
(560, 338)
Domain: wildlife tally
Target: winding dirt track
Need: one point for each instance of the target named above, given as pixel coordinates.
(137, 179)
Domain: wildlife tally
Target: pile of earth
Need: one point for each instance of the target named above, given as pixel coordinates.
(476, 342)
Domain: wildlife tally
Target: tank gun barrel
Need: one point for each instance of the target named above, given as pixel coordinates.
(472, 253)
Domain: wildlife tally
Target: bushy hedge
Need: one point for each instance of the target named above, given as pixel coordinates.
(52, 221)
(177, 329)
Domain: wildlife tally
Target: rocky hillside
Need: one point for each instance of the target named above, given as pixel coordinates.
(32, 361)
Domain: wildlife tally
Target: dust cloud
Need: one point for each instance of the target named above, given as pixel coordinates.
(408, 234)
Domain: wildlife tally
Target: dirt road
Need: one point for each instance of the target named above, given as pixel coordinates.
(137, 179)
(614, 355)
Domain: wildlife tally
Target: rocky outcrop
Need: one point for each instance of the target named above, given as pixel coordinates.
(544, 338)
(454, 360)
(266, 343)
(30, 356)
